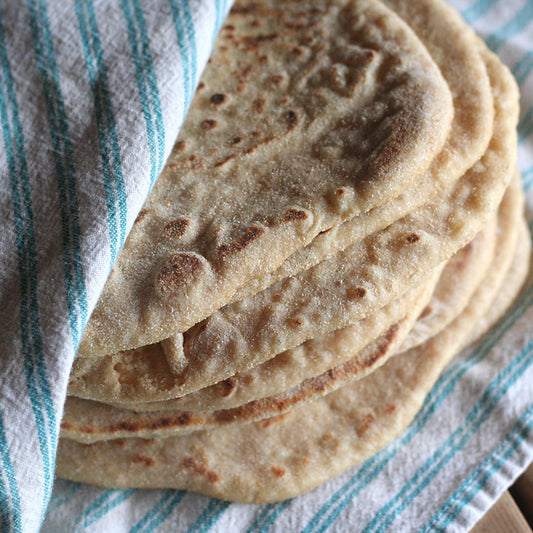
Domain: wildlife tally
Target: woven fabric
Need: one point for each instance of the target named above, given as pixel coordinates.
(92, 94)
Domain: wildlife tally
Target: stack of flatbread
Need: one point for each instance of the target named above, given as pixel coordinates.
(339, 216)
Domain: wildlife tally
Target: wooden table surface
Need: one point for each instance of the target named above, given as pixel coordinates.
(513, 512)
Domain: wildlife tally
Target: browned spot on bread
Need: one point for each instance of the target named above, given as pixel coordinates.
(143, 459)
(178, 271)
(226, 387)
(142, 214)
(218, 98)
(179, 146)
(258, 134)
(196, 468)
(229, 27)
(235, 140)
(123, 426)
(250, 235)
(292, 119)
(294, 214)
(66, 425)
(225, 160)
(354, 293)
(176, 228)
(201, 86)
(412, 238)
(120, 442)
(364, 423)
(389, 409)
(294, 322)
(248, 379)
(209, 124)
(252, 42)
(259, 105)
(426, 312)
(325, 231)
(272, 420)
(297, 51)
(246, 70)
(276, 79)
(340, 192)
(277, 471)
(246, 9)
(263, 59)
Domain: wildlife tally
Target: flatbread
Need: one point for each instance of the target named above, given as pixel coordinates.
(335, 293)
(282, 457)
(345, 109)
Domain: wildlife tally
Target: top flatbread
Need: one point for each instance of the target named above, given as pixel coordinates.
(344, 109)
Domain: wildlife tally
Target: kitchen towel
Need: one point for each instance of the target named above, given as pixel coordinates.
(92, 94)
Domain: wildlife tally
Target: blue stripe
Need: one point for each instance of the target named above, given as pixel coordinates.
(159, 513)
(514, 26)
(479, 478)
(10, 513)
(63, 158)
(66, 494)
(101, 506)
(455, 442)
(525, 126)
(478, 9)
(34, 364)
(106, 128)
(444, 386)
(267, 516)
(522, 69)
(140, 74)
(185, 34)
(209, 517)
(527, 175)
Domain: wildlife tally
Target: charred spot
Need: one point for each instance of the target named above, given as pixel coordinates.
(292, 119)
(276, 79)
(412, 238)
(176, 228)
(271, 420)
(218, 99)
(297, 51)
(263, 59)
(259, 105)
(229, 27)
(294, 322)
(225, 160)
(209, 124)
(250, 235)
(426, 312)
(355, 293)
(294, 214)
(143, 459)
(325, 231)
(178, 271)
(340, 192)
(240, 9)
(246, 70)
(142, 215)
(201, 86)
(226, 387)
(277, 471)
(199, 469)
(123, 426)
(235, 140)
(365, 423)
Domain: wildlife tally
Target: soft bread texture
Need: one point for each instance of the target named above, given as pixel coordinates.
(281, 457)
(344, 110)
(372, 273)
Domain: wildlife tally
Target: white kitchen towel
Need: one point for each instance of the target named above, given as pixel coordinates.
(92, 93)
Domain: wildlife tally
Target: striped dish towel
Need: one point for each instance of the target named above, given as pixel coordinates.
(78, 81)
